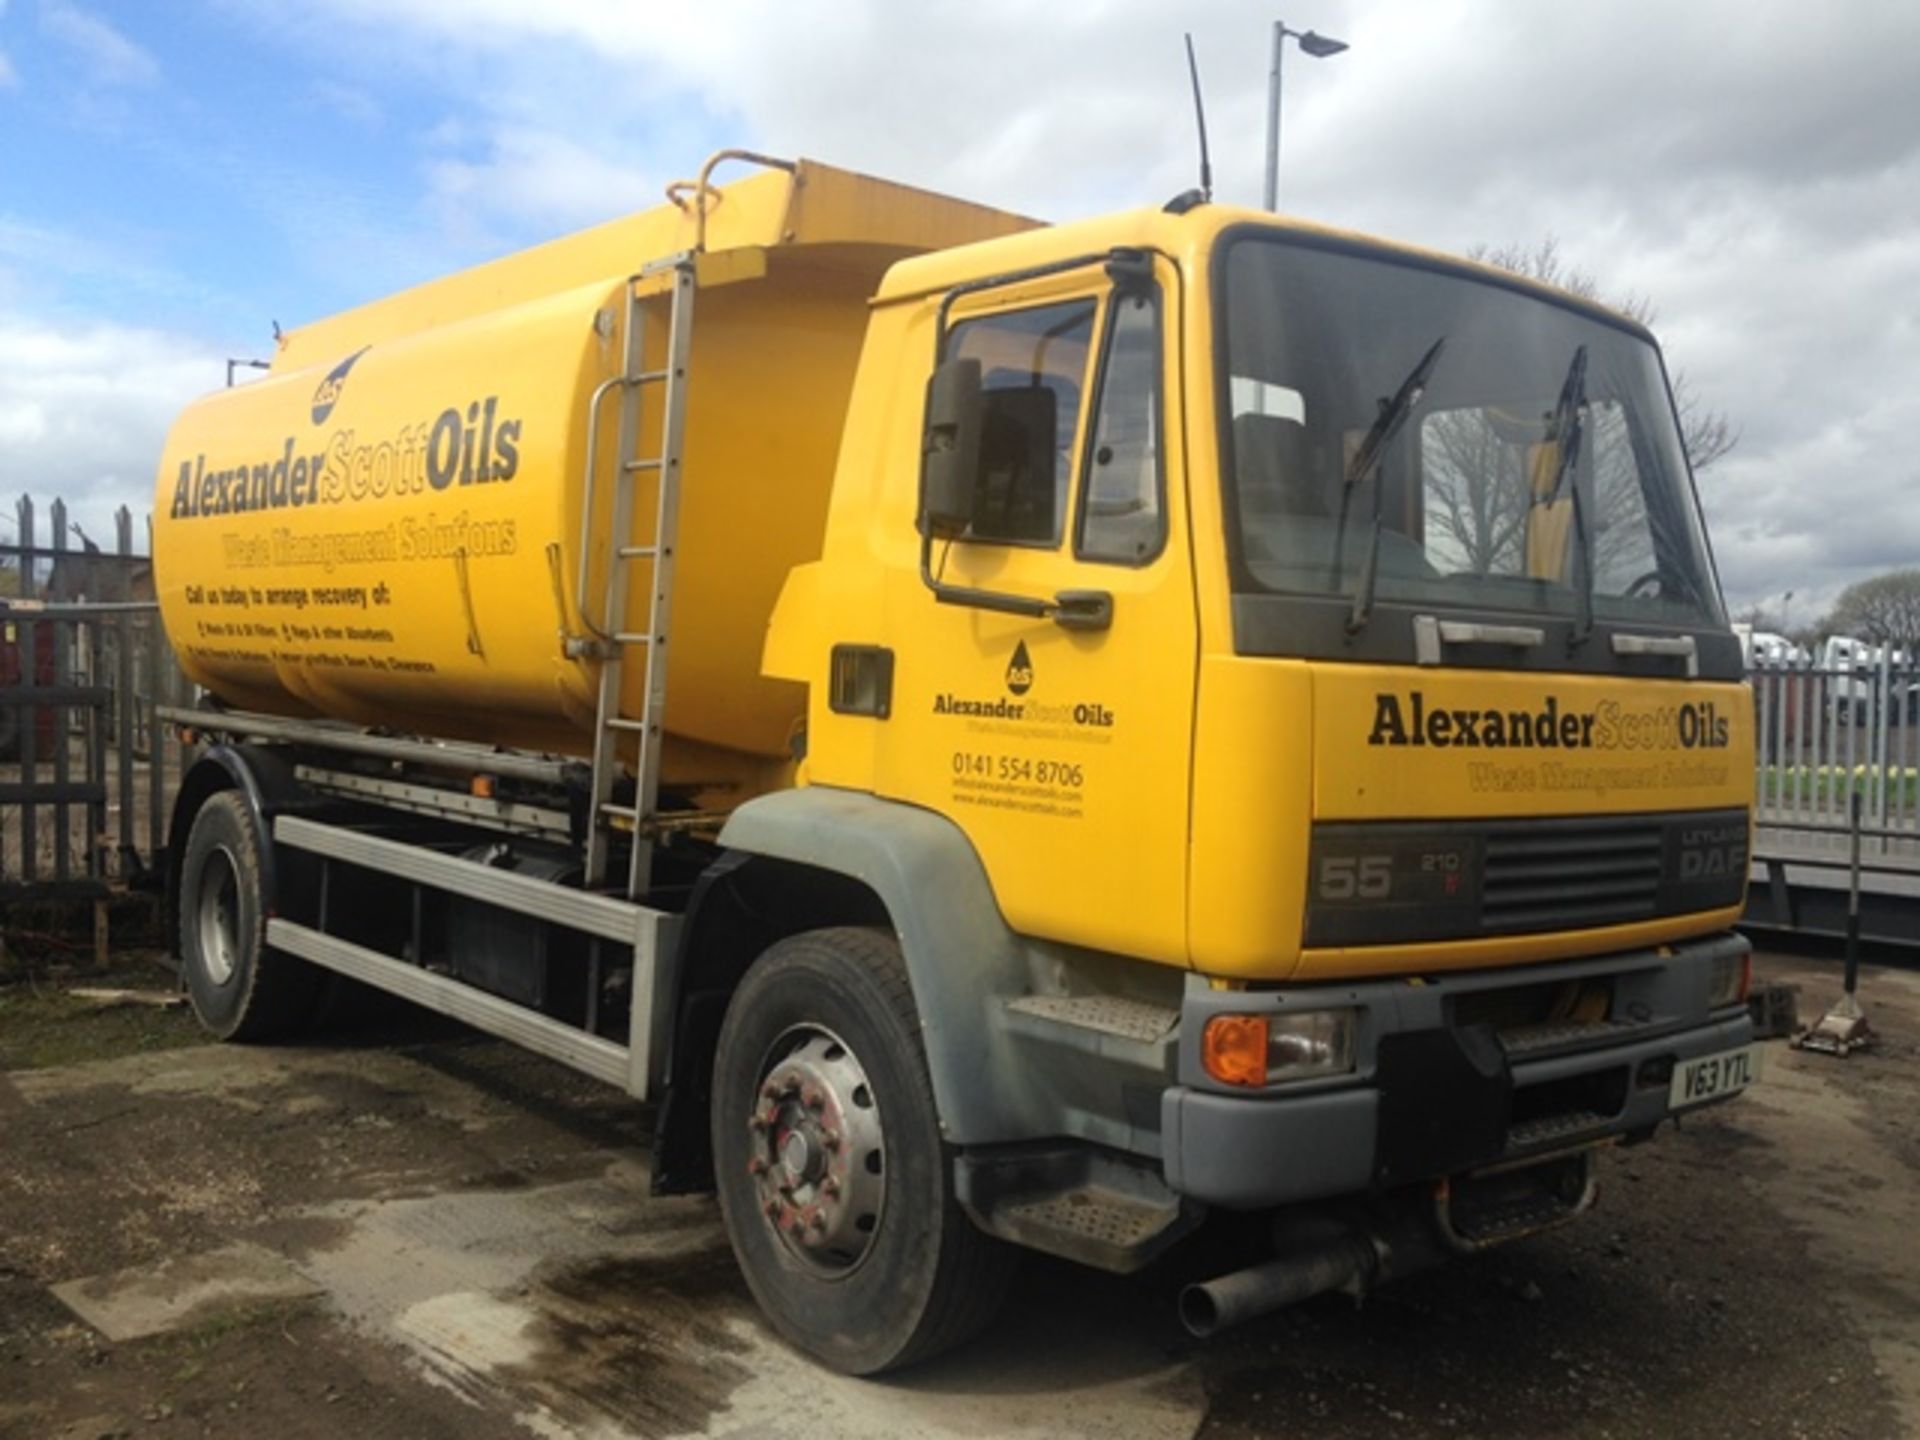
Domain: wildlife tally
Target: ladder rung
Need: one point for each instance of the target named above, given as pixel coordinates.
(636, 817)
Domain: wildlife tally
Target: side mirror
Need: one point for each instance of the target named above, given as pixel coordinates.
(950, 449)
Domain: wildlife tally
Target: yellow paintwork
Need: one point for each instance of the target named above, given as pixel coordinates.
(1357, 961)
(436, 609)
(1186, 840)
(1247, 866)
(1099, 862)
(1633, 759)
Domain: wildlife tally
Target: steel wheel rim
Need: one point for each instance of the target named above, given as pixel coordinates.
(816, 1151)
(218, 912)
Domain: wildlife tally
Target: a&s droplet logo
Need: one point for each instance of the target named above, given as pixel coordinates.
(1019, 671)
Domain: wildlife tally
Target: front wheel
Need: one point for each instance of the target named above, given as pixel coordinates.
(835, 1184)
(240, 989)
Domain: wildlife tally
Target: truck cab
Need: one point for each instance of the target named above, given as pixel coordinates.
(1206, 687)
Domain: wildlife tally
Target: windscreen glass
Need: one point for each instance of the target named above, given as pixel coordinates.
(1481, 448)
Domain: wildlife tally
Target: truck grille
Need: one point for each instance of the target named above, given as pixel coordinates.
(1397, 882)
(1571, 873)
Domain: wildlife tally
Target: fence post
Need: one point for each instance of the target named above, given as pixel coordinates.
(61, 633)
(27, 637)
(1782, 682)
(123, 700)
(1883, 723)
(1799, 698)
(99, 838)
(1843, 706)
(156, 742)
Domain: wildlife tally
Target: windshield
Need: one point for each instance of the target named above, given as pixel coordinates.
(1468, 505)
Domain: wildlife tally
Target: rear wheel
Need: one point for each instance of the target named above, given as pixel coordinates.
(240, 989)
(835, 1184)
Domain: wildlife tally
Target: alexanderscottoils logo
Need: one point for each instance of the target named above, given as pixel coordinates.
(328, 390)
(471, 444)
(1550, 725)
(1020, 676)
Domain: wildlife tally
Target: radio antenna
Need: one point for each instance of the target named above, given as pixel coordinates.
(1200, 120)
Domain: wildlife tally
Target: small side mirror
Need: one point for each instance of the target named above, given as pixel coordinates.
(950, 449)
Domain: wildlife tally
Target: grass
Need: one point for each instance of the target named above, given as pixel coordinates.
(42, 1026)
(193, 1343)
(1826, 786)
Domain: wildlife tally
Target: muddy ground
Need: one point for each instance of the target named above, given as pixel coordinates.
(432, 1234)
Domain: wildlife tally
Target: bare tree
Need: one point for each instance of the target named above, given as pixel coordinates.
(1707, 434)
(1477, 496)
(1481, 500)
(1885, 610)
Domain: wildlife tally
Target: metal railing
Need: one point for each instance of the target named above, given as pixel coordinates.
(88, 767)
(1823, 735)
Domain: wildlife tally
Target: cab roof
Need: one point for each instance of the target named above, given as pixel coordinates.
(1193, 233)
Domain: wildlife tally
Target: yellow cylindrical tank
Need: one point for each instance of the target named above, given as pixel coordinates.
(386, 529)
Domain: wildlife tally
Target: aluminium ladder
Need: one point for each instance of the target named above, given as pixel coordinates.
(611, 640)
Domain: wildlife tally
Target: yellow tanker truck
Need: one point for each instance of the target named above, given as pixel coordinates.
(1009, 735)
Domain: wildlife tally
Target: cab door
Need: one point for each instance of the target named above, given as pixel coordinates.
(1060, 742)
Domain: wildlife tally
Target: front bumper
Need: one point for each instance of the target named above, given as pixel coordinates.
(1432, 1096)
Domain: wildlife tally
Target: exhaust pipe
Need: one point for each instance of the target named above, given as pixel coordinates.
(1209, 1308)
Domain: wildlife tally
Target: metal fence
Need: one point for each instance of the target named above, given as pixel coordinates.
(87, 768)
(1823, 735)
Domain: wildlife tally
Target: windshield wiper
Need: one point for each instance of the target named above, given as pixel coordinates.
(1366, 459)
(1569, 433)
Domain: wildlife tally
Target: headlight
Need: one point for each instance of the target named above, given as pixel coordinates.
(1732, 977)
(1272, 1049)
(1309, 1043)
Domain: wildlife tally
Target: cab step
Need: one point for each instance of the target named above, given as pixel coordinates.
(1491, 1206)
(1076, 1203)
(1548, 1129)
(1105, 1014)
(1532, 1041)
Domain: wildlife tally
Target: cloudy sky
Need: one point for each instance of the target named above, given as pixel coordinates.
(175, 177)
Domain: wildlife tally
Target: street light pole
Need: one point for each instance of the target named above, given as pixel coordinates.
(1319, 47)
(1272, 196)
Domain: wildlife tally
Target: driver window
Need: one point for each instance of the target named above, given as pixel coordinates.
(1120, 515)
(1033, 367)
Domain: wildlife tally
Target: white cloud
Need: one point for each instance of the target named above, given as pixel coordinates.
(9, 77)
(110, 57)
(536, 177)
(84, 411)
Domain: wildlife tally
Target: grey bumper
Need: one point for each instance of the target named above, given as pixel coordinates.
(1432, 1096)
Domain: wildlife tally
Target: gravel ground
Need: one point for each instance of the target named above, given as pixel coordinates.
(492, 1267)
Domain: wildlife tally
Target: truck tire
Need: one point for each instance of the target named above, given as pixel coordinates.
(240, 989)
(835, 1184)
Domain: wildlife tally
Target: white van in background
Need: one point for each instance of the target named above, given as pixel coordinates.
(1764, 647)
(1854, 678)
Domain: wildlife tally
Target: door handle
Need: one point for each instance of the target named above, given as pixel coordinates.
(1083, 609)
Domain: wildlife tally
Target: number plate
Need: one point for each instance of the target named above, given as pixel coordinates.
(1712, 1076)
